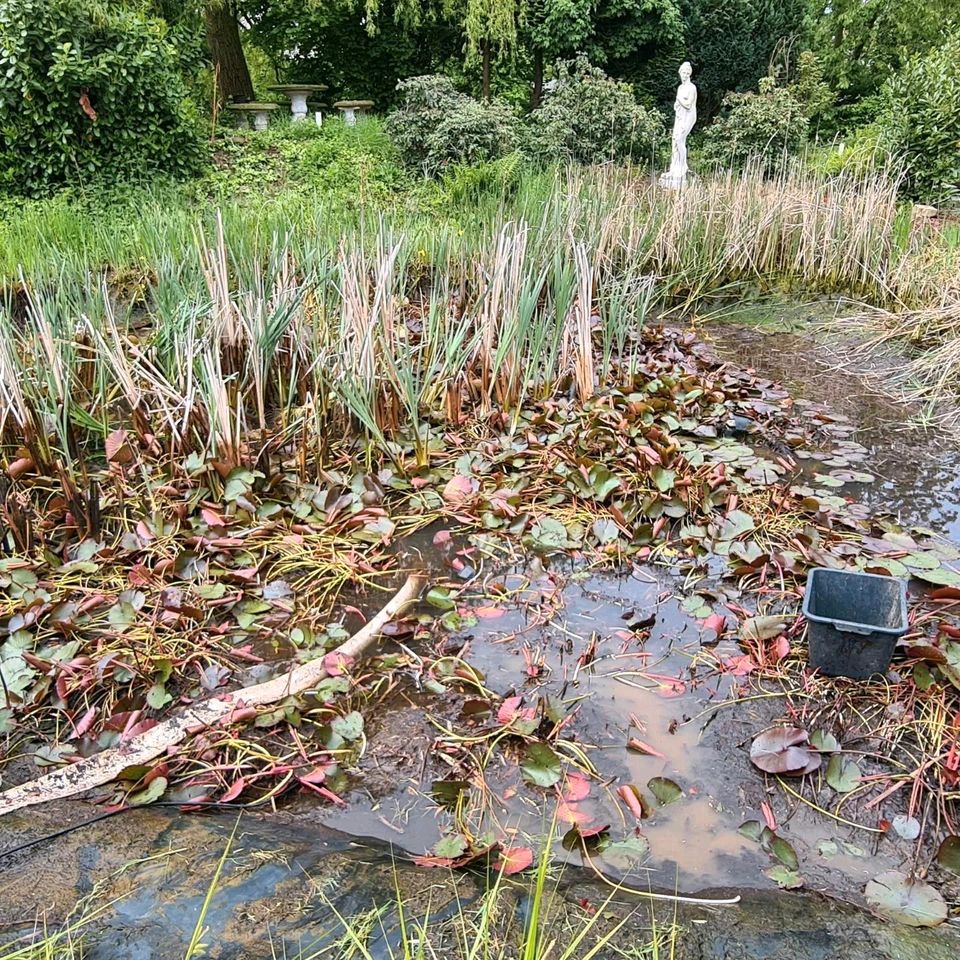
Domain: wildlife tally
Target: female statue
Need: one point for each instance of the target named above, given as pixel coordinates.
(685, 110)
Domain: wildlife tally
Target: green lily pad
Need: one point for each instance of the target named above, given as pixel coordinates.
(843, 774)
(548, 534)
(948, 856)
(664, 479)
(665, 790)
(151, 792)
(450, 847)
(784, 852)
(784, 878)
(541, 766)
(624, 854)
(825, 742)
(605, 530)
(350, 727)
(751, 829)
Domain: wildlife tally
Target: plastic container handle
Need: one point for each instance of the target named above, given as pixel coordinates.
(853, 628)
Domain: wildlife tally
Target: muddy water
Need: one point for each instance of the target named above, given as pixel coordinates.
(917, 466)
(619, 652)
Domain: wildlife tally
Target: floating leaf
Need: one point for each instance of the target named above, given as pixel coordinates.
(824, 742)
(784, 852)
(446, 793)
(452, 846)
(828, 848)
(762, 628)
(157, 696)
(514, 860)
(784, 750)
(751, 829)
(624, 854)
(541, 766)
(906, 827)
(736, 524)
(664, 479)
(548, 534)
(350, 727)
(948, 856)
(605, 530)
(896, 896)
(576, 787)
(940, 577)
(665, 790)
(151, 792)
(784, 878)
(441, 598)
(459, 489)
(843, 774)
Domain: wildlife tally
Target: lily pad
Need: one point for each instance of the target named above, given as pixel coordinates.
(824, 742)
(906, 827)
(762, 628)
(897, 897)
(948, 856)
(784, 750)
(843, 774)
(784, 852)
(751, 829)
(541, 766)
(548, 534)
(784, 878)
(665, 790)
(350, 727)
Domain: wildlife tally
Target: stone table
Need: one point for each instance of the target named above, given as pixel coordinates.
(350, 108)
(298, 93)
(258, 112)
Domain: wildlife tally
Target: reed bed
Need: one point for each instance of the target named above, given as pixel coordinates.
(261, 333)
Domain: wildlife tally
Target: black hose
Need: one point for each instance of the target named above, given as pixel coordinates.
(112, 813)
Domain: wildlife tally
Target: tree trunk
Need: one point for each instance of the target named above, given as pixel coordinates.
(486, 69)
(223, 39)
(537, 79)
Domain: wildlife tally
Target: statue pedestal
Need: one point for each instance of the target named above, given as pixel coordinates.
(672, 181)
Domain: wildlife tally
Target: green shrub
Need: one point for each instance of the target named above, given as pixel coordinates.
(764, 125)
(809, 88)
(436, 126)
(860, 152)
(425, 102)
(920, 121)
(89, 88)
(354, 162)
(473, 133)
(590, 118)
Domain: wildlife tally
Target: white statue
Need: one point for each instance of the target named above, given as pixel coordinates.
(685, 109)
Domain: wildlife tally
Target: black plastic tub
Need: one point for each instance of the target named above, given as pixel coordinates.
(854, 621)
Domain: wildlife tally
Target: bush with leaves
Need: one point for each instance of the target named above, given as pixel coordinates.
(350, 164)
(437, 126)
(920, 122)
(425, 102)
(590, 118)
(756, 126)
(89, 88)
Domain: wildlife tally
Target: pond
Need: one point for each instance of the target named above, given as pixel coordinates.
(661, 708)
